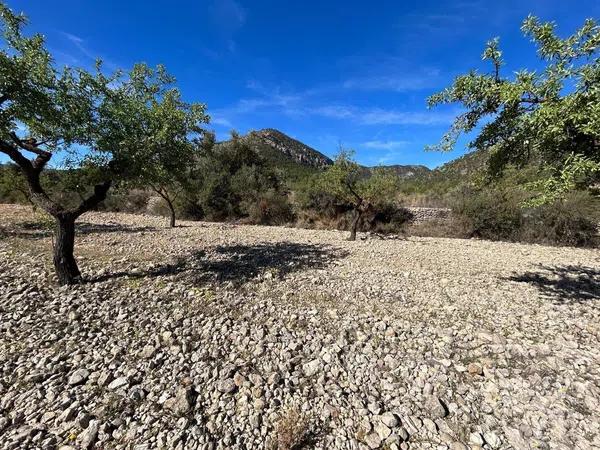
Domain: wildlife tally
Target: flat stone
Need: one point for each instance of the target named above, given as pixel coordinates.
(373, 440)
(182, 402)
(389, 419)
(476, 438)
(118, 383)
(436, 408)
(475, 369)
(80, 376)
(382, 430)
(88, 437)
(492, 439)
(311, 368)
(226, 386)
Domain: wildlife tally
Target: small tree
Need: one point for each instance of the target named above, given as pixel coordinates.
(171, 133)
(348, 183)
(99, 123)
(550, 116)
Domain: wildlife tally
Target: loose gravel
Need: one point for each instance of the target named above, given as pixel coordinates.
(219, 336)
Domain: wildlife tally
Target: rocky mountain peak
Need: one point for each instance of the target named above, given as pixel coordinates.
(294, 149)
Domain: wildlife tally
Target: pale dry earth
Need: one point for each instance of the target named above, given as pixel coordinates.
(218, 336)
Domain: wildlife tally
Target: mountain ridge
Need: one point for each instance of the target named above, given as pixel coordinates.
(288, 152)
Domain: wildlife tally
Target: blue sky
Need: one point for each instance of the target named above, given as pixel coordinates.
(324, 72)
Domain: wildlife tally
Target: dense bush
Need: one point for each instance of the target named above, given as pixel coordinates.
(237, 183)
(127, 200)
(270, 208)
(497, 213)
(492, 213)
(388, 218)
(571, 221)
(317, 209)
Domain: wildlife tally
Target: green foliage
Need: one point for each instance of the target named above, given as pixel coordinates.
(129, 127)
(270, 208)
(13, 188)
(345, 181)
(551, 116)
(492, 213)
(149, 132)
(496, 212)
(575, 173)
(56, 107)
(236, 182)
(571, 220)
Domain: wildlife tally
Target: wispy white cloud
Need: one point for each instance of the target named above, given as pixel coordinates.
(306, 104)
(221, 121)
(80, 44)
(424, 79)
(334, 111)
(384, 145)
(380, 116)
(228, 16)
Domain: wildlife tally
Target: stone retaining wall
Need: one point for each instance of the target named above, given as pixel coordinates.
(422, 214)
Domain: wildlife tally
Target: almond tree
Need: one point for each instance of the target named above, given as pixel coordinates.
(94, 121)
(551, 116)
(348, 183)
(164, 133)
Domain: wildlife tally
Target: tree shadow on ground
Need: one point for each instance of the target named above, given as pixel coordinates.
(241, 263)
(92, 228)
(40, 230)
(564, 284)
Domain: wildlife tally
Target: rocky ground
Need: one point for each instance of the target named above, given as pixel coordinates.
(216, 336)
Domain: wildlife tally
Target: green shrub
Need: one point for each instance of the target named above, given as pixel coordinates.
(571, 221)
(127, 200)
(491, 213)
(497, 213)
(271, 208)
(388, 218)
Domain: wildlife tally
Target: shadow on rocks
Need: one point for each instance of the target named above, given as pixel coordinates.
(39, 230)
(97, 228)
(564, 284)
(241, 263)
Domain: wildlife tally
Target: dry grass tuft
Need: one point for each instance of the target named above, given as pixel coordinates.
(292, 430)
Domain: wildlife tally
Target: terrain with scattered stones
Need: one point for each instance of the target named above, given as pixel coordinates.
(219, 336)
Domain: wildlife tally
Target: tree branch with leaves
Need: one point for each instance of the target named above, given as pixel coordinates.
(551, 117)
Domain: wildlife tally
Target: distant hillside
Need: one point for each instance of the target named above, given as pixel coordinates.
(466, 165)
(434, 188)
(299, 160)
(274, 143)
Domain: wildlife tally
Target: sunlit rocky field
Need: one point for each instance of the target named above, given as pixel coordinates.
(219, 336)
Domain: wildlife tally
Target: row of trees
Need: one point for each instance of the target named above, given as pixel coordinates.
(133, 130)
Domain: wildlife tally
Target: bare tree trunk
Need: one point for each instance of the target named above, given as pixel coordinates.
(357, 214)
(172, 211)
(64, 244)
(64, 237)
(166, 197)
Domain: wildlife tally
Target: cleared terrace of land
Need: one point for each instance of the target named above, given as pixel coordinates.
(223, 336)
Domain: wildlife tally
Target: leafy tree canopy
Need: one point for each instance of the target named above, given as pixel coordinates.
(550, 116)
(347, 181)
(130, 126)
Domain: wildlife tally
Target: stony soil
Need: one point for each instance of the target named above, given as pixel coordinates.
(218, 336)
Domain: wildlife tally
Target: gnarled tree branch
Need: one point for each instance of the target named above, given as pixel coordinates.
(99, 195)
